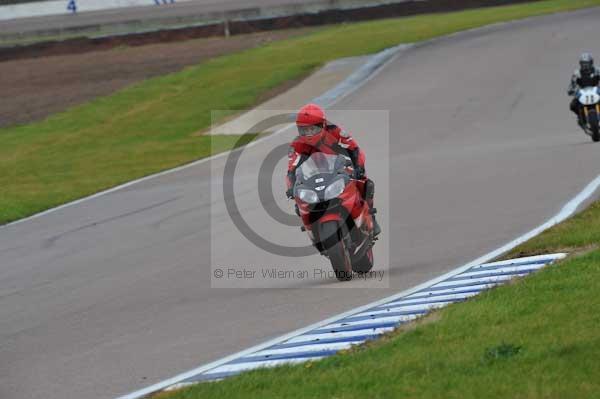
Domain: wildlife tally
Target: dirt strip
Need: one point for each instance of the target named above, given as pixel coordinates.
(33, 89)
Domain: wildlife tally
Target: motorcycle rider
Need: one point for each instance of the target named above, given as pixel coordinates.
(317, 134)
(586, 76)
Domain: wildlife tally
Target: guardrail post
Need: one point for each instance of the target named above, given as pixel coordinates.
(226, 28)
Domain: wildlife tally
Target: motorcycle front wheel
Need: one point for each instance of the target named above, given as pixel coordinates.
(364, 264)
(593, 121)
(331, 237)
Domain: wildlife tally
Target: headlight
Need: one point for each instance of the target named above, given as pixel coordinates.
(308, 196)
(335, 189)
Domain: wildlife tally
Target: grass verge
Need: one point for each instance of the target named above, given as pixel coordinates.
(150, 126)
(537, 338)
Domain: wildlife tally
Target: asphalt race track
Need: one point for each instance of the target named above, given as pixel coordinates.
(135, 14)
(114, 294)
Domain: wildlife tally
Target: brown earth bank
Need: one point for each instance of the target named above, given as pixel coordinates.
(33, 89)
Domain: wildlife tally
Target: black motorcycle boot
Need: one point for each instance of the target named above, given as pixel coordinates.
(581, 121)
(376, 227)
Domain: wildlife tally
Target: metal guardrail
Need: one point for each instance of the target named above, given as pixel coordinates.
(16, 9)
(241, 22)
(36, 8)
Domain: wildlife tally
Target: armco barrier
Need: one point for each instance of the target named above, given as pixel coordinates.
(57, 7)
(248, 21)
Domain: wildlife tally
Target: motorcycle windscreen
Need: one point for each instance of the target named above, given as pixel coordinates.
(318, 163)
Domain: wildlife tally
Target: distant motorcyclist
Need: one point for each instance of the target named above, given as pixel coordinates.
(586, 76)
(317, 134)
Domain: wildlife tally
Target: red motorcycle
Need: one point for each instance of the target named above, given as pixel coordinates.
(335, 213)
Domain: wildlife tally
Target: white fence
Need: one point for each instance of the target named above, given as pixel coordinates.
(44, 8)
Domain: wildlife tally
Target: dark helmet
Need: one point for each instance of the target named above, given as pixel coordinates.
(586, 62)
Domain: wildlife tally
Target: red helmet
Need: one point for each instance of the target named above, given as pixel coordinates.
(310, 120)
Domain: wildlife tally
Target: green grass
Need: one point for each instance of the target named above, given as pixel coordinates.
(152, 126)
(536, 338)
(579, 233)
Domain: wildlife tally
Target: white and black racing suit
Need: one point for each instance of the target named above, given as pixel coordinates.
(580, 80)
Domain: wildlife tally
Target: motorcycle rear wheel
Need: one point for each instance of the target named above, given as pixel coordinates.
(331, 237)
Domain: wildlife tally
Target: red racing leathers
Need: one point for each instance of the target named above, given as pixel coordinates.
(332, 140)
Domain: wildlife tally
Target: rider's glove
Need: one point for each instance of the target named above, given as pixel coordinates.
(290, 193)
(359, 173)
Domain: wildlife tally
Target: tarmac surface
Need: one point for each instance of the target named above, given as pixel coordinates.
(116, 293)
